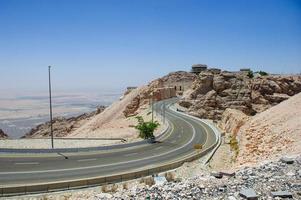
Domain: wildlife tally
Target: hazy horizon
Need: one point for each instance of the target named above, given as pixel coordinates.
(109, 45)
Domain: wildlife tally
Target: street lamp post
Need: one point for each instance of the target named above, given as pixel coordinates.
(152, 107)
(50, 107)
(163, 111)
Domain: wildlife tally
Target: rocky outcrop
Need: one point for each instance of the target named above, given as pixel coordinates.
(3, 135)
(214, 91)
(62, 126)
(232, 120)
(162, 88)
(131, 108)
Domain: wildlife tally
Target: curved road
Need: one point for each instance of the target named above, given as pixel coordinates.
(177, 142)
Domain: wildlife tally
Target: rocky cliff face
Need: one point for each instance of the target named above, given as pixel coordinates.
(3, 135)
(232, 120)
(62, 126)
(214, 91)
(180, 81)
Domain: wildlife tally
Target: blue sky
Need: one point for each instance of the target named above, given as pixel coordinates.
(115, 43)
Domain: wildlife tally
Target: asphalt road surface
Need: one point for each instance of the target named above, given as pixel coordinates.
(182, 134)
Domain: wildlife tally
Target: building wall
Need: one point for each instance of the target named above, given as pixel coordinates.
(164, 93)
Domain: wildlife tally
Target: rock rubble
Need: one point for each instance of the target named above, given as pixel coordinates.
(267, 181)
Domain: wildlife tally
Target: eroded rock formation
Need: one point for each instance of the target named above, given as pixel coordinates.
(176, 82)
(62, 126)
(214, 91)
(232, 120)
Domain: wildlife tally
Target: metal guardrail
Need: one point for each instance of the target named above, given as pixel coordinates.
(99, 181)
(104, 180)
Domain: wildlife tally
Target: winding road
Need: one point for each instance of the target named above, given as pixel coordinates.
(20, 170)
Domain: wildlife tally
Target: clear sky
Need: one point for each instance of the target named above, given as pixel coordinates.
(116, 43)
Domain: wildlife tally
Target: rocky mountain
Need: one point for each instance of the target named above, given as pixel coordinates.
(214, 91)
(62, 126)
(3, 135)
(179, 81)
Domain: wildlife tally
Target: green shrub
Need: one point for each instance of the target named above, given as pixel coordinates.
(146, 129)
(262, 73)
(234, 146)
(250, 74)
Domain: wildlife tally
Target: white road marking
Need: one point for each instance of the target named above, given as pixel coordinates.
(112, 164)
(86, 160)
(27, 163)
(159, 147)
(131, 154)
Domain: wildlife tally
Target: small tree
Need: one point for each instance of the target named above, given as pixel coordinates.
(250, 74)
(263, 73)
(146, 129)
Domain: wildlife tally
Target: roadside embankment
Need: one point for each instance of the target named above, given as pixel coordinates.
(272, 133)
(249, 140)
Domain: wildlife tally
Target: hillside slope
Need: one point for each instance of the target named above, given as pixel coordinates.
(118, 119)
(111, 122)
(272, 133)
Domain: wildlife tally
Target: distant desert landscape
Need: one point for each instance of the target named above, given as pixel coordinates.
(18, 114)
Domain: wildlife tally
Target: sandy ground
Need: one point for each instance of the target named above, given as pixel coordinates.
(272, 133)
(112, 123)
